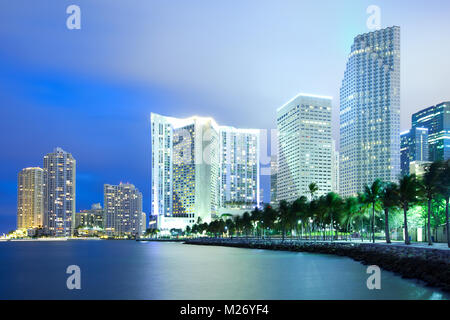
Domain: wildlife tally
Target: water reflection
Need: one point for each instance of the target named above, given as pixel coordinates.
(149, 270)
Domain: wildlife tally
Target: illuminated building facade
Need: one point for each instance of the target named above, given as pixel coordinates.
(123, 210)
(59, 193)
(239, 167)
(413, 147)
(92, 218)
(437, 120)
(305, 146)
(370, 111)
(30, 198)
(198, 166)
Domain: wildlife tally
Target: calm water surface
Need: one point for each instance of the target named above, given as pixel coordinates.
(150, 270)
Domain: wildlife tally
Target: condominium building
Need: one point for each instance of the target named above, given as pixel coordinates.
(413, 147)
(59, 193)
(30, 202)
(239, 167)
(92, 218)
(123, 210)
(437, 120)
(304, 143)
(199, 167)
(370, 111)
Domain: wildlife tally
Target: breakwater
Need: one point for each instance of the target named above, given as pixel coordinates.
(426, 264)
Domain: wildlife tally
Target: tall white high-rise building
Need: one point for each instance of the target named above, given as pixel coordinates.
(59, 193)
(198, 166)
(370, 111)
(185, 170)
(122, 210)
(239, 167)
(30, 198)
(304, 144)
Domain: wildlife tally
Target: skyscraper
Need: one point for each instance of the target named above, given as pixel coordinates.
(30, 202)
(304, 143)
(123, 210)
(239, 167)
(198, 166)
(185, 170)
(413, 147)
(59, 192)
(370, 111)
(437, 120)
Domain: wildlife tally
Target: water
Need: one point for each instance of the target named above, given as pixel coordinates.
(150, 270)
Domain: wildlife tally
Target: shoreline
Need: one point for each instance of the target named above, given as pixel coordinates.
(432, 266)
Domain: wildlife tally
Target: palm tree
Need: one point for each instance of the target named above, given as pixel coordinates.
(362, 212)
(230, 226)
(429, 188)
(255, 217)
(408, 192)
(238, 224)
(269, 216)
(444, 190)
(372, 194)
(247, 225)
(283, 216)
(333, 204)
(349, 209)
(313, 188)
(389, 200)
(299, 210)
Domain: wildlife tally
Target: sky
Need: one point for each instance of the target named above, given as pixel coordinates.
(91, 91)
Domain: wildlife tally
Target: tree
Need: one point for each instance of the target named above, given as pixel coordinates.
(408, 192)
(362, 213)
(429, 187)
(389, 200)
(299, 210)
(349, 209)
(313, 188)
(444, 190)
(333, 204)
(269, 217)
(372, 194)
(238, 224)
(255, 217)
(231, 227)
(247, 225)
(283, 216)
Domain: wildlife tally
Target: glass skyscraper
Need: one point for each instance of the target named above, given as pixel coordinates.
(437, 120)
(370, 111)
(305, 146)
(413, 147)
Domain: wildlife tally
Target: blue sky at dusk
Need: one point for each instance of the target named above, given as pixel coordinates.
(91, 91)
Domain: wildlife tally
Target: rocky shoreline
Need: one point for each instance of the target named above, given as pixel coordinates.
(431, 266)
